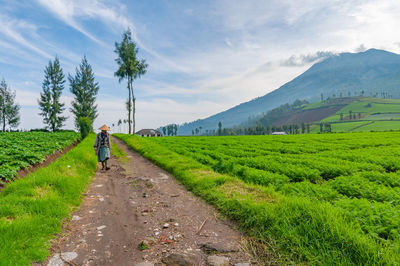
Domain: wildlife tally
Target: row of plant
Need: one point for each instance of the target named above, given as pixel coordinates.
(299, 192)
(33, 208)
(21, 149)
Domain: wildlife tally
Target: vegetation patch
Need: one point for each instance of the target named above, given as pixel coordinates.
(380, 126)
(118, 152)
(21, 149)
(315, 199)
(32, 209)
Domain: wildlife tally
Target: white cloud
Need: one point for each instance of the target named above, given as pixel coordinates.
(71, 11)
(12, 28)
(66, 11)
(251, 46)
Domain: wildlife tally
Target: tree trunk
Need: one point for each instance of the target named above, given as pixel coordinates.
(133, 110)
(3, 109)
(129, 109)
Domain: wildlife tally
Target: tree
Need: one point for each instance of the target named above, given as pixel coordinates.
(85, 90)
(164, 130)
(327, 127)
(9, 110)
(341, 116)
(85, 126)
(119, 125)
(49, 102)
(219, 128)
(130, 68)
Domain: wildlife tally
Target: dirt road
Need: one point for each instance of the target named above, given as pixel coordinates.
(137, 214)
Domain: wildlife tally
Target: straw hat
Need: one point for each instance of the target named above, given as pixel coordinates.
(104, 127)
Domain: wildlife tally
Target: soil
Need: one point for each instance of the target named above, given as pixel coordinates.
(308, 116)
(137, 212)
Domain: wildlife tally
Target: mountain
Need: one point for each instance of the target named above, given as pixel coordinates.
(371, 72)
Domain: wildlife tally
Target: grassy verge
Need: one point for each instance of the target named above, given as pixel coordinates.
(32, 209)
(301, 230)
(118, 152)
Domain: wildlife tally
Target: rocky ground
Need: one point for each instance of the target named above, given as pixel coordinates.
(138, 214)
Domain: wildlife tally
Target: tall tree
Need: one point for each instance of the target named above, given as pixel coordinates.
(219, 128)
(119, 125)
(130, 68)
(85, 89)
(9, 110)
(49, 102)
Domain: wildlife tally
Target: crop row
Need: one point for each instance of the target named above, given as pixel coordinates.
(346, 170)
(320, 199)
(21, 149)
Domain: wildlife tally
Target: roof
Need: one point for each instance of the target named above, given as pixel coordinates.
(148, 131)
(279, 133)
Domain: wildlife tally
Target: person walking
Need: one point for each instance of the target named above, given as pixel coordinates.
(102, 146)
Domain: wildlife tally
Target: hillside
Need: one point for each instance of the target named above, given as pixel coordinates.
(369, 73)
(347, 114)
(367, 114)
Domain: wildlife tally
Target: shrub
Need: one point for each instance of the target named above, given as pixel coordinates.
(85, 126)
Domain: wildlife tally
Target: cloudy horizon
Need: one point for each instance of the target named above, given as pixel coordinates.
(204, 56)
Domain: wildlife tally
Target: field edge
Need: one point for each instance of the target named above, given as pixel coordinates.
(33, 209)
(265, 214)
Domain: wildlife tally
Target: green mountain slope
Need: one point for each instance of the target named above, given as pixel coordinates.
(367, 114)
(370, 73)
(348, 114)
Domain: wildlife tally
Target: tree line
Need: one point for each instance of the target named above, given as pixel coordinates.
(84, 88)
(362, 93)
(9, 109)
(170, 130)
(302, 128)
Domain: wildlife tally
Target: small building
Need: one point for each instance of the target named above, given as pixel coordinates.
(148, 133)
(279, 133)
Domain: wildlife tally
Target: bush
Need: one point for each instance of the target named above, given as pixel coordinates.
(39, 130)
(85, 126)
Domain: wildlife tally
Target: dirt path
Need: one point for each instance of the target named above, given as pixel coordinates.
(137, 214)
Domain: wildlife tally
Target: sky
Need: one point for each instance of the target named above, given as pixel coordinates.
(204, 56)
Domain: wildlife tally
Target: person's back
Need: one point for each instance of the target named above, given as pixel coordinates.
(102, 146)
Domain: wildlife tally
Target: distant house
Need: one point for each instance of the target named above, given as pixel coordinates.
(279, 133)
(148, 133)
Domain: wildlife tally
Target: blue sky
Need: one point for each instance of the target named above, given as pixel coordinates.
(204, 56)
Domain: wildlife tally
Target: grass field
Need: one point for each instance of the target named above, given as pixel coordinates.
(370, 107)
(32, 209)
(387, 116)
(379, 126)
(323, 199)
(347, 126)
